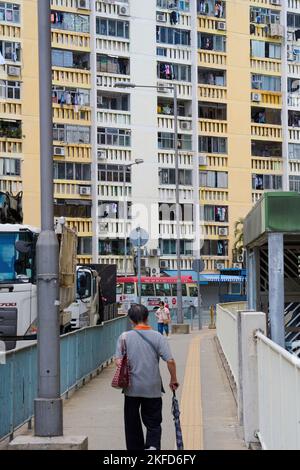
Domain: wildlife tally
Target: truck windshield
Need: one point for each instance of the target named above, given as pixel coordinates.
(16, 266)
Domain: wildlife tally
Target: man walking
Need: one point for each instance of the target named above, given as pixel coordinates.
(163, 318)
(143, 398)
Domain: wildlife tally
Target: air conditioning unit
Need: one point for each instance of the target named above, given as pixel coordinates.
(240, 258)
(223, 231)
(185, 125)
(83, 4)
(103, 227)
(290, 35)
(202, 160)
(59, 151)
(161, 17)
(154, 272)
(219, 266)
(102, 155)
(221, 25)
(256, 97)
(237, 265)
(13, 71)
(154, 253)
(124, 10)
(163, 264)
(85, 191)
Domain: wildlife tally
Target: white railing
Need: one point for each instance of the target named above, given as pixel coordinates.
(279, 398)
(227, 332)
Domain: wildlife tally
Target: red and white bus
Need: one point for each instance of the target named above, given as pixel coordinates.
(156, 289)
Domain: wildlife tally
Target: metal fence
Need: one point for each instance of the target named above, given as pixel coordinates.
(278, 396)
(82, 353)
(227, 333)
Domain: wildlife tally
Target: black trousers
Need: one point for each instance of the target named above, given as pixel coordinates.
(148, 411)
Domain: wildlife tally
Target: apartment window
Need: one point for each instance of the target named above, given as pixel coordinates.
(211, 8)
(212, 42)
(294, 183)
(71, 134)
(183, 5)
(72, 171)
(166, 141)
(265, 115)
(10, 12)
(70, 22)
(265, 49)
(72, 96)
(110, 64)
(213, 179)
(294, 151)
(214, 111)
(72, 208)
(10, 167)
(113, 28)
(168, 212)
(10, 50)
(173, 36)
(262, 182)
(113, 247)
(114, 173)
(10, 90)
(266, 149)
(215, 248)
(117, 137)
(162, 51)
(168, 247)
(264, 16)
(266, 82)
(211, 77)
(212, 144)
(11, 129)
(168, 176)
(84, 245)
(294, 119)
(114, 101)
(215, 213)
(70, 59)
(167, 71)
(293, 20)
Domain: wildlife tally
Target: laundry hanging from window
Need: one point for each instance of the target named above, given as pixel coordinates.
(174, 17)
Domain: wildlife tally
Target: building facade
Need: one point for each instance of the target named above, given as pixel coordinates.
(114, 151)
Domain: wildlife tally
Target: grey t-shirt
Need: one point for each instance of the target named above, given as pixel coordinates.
(144, 364)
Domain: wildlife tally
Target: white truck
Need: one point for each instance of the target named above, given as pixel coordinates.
(78, 285)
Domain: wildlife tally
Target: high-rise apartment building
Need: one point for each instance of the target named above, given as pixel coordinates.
(236, 66)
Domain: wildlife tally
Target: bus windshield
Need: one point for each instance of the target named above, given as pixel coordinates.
(14, 265)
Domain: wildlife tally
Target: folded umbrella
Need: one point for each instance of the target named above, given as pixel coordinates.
(176, 417)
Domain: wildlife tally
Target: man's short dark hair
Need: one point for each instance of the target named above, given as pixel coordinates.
(138, 313)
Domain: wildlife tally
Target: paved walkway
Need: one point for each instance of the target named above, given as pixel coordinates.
(208, 410)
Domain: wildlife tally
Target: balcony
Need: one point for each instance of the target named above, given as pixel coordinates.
(256, 195)
(211, 229)
(68, 114)
(184, 90)
(71, 40)
(211, 58)
(266, 131)
(209, 23)
(119, 261)
(10, 146)
(210, 126)
(210, 262)
(114, 228)
(166, 123)
(10, 109)
(294, 167)
(10, 31)
(294, 134)
(184, 20)
(112, 45)
(213, 195)
(214, 93)
(112, 118)
(70, 189)
(265, 164)
(168, 230)
(169, 194)
(108, 80)
(263, 65)
(80, 152)
(113, 191)
(174, 54)
(268, 98)
(293, 100)
(83, 227)
(84, 259)
(167, 158)
(11, 185)
(216, 161)
(171, 262)
(71, 77)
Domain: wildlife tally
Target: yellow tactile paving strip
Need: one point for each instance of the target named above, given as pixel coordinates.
(191, 404)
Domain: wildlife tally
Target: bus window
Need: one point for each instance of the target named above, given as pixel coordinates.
(120, 289)
(163, 290)
(129, 288)
(174, 290)
(147, 289)
(193, 291)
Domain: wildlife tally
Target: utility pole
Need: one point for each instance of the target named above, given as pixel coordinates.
(125, 219)
(48, 405)
(139, 265)
(180, 318)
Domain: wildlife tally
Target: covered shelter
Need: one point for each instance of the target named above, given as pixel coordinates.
(272, 242)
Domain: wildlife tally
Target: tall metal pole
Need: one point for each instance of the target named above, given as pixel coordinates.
(178, 235)
(48, 405)
(199, 300)
(139, 266)
(125, 220)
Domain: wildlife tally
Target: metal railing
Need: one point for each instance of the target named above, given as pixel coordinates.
(82, 353)
(278, 396)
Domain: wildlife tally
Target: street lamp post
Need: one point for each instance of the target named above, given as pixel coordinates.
(138, 161)
(173, 88)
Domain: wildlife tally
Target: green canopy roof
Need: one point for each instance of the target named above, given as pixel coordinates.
(274, 212)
